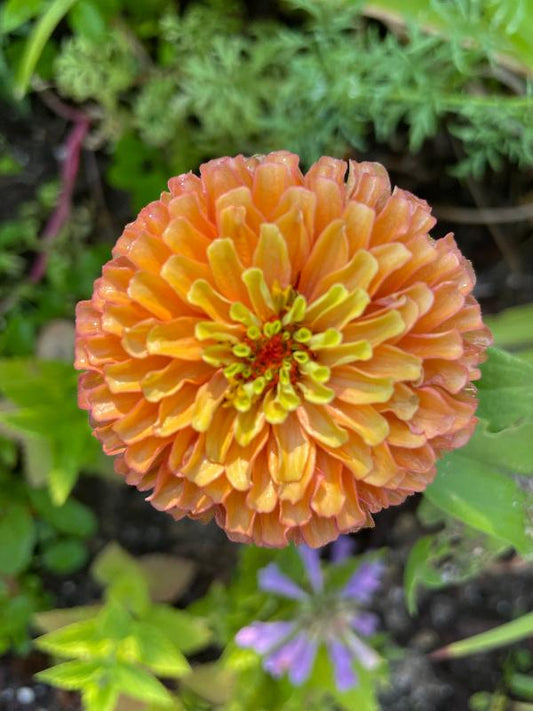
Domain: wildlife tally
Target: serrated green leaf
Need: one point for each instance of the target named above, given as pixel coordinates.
(82, 639)
(158, 652)
(17, 538)
(505, 391)
(188, 633)
(100, 696)
(139, 684)
(70, 675)
(65, 556)
(483, 498)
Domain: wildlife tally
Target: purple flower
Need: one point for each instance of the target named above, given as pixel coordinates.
(329, 617)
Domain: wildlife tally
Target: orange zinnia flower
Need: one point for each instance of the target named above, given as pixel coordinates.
(289, 353)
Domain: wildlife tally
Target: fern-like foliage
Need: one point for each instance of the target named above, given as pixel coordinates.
(320, 82)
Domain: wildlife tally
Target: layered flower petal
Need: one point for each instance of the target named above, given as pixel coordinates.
(285, 352)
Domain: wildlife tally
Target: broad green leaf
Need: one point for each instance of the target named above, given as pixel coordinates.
(188, 633)
(505, 391)
(16, 12)
(483, 498)
(500, 636)
(139, 684)
(70, 675)
(509, 450)
(72, 518)
(65, 556)
(82, 639)
(47, 23)
(513, 329)
(158, 652)
(17, 538)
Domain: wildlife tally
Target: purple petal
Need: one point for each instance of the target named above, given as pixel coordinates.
(365, 581)
(303, 663)
(367, 656)
(271, 579)
(311, 559)
(296, 657)
(366, 623)
(345, 677)
(342, 549)
(263, 636)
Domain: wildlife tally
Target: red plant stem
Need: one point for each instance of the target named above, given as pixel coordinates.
(69, 172)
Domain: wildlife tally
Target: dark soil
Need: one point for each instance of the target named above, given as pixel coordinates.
(417, 683)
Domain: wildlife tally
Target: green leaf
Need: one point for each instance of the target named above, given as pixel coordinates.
(47, 23)
(505, 391)
(82, 639)
(188, 633)
(70, 675)
(513, 329)
(72, 518)
(521, 685)
(417, 571)
(211, 682)
(509, 450)
(483, 498)
(500, 636)
(103, 696)
(16, 12)
(87, 20)
(158, 651)
(17, 538)
(66, 556)
(139, 684)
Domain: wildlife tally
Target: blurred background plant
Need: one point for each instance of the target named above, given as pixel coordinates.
(100, 102)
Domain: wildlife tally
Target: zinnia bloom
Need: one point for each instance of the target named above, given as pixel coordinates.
(330, 617)
(289, 353)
